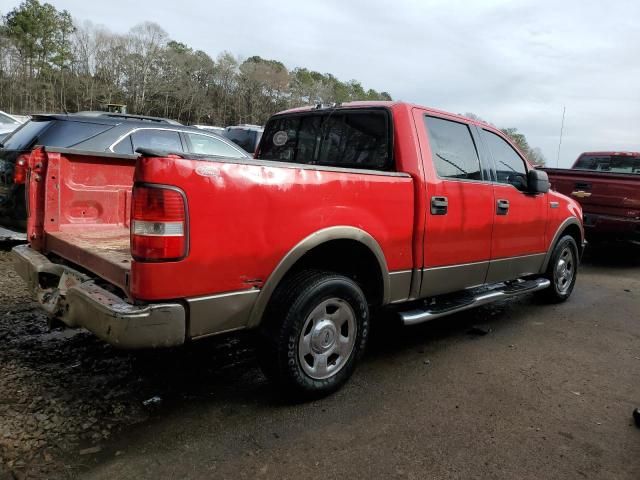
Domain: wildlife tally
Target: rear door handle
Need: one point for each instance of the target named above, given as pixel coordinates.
(502, 207)
(439, 205)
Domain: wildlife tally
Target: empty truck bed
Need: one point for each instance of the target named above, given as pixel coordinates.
(104, 250)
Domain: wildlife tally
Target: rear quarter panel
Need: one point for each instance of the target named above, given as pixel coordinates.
(245, 217)
(599, 193)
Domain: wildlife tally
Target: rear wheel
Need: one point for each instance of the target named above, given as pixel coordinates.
(562, 270)
(314, 332)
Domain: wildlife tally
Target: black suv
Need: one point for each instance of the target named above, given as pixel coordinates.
(96, 132)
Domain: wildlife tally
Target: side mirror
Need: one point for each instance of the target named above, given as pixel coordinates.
(538, 181)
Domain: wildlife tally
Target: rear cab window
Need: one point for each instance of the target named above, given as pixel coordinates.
(609, 163)
(358, 138)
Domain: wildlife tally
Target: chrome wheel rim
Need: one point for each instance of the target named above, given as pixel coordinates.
(565, 270)
(327, 338)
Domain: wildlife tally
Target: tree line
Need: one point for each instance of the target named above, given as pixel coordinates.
(51, 63)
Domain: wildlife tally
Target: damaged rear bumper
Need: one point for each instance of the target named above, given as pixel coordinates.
(78, 302)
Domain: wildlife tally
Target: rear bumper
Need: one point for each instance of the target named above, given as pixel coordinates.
(76, 300)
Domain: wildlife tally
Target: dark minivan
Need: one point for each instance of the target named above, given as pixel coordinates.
(95, 132)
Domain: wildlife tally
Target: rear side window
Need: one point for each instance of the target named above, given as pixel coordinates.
(358, 139)
(609, 163)
(167, 140)
(208, 145)
(26, 135)
(453, 151)
(64, 133)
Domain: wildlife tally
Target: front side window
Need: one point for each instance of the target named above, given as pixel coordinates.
(510, 167)
(452, 149)
(350, 139)
(207, 145)
(165, 140)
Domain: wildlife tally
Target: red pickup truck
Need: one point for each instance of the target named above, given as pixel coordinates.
(607, 185)
(345, 209)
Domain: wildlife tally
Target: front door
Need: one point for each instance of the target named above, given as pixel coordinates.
(457, 240)
(518, 242)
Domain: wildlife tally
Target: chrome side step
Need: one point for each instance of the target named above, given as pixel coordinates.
(469, 300)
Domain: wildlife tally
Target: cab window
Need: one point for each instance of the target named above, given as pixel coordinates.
(453, 151)
(208, 145)
(510, 167)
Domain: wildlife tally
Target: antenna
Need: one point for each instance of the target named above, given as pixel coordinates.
(564, 109)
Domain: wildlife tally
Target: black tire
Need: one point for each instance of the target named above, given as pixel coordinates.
(560, 290)
(281, 349)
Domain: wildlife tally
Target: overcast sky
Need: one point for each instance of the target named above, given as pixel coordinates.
(514, 63)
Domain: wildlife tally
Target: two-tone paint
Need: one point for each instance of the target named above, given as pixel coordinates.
(250, 221)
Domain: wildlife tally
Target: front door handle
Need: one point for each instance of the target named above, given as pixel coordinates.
(439, 205)
(502, 207)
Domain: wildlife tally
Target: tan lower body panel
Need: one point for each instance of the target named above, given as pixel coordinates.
(220, 313)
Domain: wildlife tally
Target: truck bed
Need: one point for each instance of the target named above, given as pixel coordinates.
(102, 250)
(610, 201)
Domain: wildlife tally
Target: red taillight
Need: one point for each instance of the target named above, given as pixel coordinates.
(20, 170)
(158, 224)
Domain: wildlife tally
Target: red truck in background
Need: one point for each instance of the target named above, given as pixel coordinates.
(607, 185)
(344, 210)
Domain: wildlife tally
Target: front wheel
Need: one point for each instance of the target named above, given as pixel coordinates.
(562, 270)
(315, 331)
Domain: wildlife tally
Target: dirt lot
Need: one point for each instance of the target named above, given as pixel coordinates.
(535, 392)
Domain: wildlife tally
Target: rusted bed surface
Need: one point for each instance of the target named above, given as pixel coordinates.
(104, 251)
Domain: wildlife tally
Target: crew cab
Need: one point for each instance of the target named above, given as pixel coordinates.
(346, 209)
(607, 185)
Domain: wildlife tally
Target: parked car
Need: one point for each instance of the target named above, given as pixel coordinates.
(344, 211)
(96, 132)
(8, 123)
(247, 136)
(607, 185)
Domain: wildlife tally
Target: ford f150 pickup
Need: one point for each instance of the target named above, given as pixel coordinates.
(607, 185)
(344, 210)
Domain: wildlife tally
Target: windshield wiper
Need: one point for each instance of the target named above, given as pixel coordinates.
(509, 166)
(452, 163)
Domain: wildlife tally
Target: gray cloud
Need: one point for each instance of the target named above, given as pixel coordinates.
(512, 63)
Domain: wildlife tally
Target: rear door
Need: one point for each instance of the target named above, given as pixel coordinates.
(520, 217)
(457, 240)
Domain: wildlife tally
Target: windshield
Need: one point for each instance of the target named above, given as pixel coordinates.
(609, 163)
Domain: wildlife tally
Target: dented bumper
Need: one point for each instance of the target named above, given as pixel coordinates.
(76, 300)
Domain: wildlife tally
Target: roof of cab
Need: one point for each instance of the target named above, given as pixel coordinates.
(391, 104)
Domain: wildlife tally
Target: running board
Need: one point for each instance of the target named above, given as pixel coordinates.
(468, 300)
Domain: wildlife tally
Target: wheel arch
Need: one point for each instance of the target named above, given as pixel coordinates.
(322, 239)
(571, 226)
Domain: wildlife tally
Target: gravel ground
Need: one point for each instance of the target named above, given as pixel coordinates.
(513, 390)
